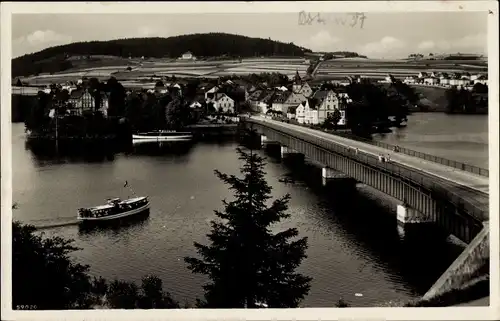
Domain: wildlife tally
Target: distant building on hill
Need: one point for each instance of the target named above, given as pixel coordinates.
(187, 56)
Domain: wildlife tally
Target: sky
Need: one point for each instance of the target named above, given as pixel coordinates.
(382, 35)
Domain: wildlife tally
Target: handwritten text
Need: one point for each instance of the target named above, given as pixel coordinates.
(348, 19)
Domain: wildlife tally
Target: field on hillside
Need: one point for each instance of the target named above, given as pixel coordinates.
(332, 69)
(374, 68)
(169, 67)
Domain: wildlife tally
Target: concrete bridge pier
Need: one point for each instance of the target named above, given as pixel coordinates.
(271, 147)
(292, 156)
(412, 222)
(333, 178)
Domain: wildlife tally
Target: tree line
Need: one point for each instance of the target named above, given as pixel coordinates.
(54, 59)
(248, 265)
(464, 101)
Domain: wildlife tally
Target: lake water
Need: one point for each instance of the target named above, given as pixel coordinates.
(353, 248)
(462, 138)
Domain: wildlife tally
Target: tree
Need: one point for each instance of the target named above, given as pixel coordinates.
(44, 275)
(332, 119)
(246, 262)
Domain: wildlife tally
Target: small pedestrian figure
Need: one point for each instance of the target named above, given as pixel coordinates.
(388, 157)
(357, 151)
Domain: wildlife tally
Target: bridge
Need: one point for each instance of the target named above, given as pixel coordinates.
(456, 198)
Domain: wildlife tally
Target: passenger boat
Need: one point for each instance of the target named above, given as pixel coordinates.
(114, 209)
(162, 136)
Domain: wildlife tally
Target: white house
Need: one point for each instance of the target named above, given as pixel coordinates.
(265, 103)
(223, 103)
(311, 113)
(187, 56)
(423, 75)
(474, 77)
(410, 80)
(444, 80)
(211, 93)
(431, 81)
(300, 112)
(306, 113)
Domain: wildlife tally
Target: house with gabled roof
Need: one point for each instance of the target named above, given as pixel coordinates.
(209, 94)
(423, 74)
(303, 89)
(326, 101)
(223, 103)
(266, 102)
(283, 100)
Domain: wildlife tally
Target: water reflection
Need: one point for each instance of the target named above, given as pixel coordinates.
(75, 152)
(159, 148)
(419, 255)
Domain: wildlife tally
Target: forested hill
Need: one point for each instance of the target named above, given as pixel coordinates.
(202, 45)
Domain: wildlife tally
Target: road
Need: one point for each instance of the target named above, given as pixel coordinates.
(471, 187)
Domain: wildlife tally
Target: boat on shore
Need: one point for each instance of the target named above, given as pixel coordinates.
(162, 136)
(114, 209)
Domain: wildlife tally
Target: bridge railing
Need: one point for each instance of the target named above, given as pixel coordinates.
(426, 181)
(436, 159)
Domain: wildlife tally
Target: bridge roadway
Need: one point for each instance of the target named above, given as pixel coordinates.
(472, 188)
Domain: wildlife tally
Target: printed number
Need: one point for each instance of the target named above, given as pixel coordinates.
(26, 307)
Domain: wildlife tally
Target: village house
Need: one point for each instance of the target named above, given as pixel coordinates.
(255, 98)
(327, 102)
(459, 80)
(410, 80)
(311, 112)
(303, 88)
(475, 76)
(300, 112)
(209, 94)
(306, 113)
(283, 100)
(423, 74)
(187, 56)
(223, 103)
(444, 80)
(266, 102)
(81, 101)
(432, 80)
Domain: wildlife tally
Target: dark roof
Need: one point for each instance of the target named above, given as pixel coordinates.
(256, 95)
(76, 94)
(268, 99)
(281, 97)
(320, 94)
(312, 103)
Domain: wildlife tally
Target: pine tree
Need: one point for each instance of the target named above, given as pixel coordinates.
(247, 262)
